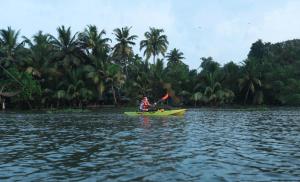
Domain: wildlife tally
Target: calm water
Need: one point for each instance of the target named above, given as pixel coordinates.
(206, 145)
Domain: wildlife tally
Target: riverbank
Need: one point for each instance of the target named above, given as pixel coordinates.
(109, 108)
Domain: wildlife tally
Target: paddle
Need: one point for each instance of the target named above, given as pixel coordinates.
(162, 99)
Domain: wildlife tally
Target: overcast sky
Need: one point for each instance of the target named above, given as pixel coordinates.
(223, 29)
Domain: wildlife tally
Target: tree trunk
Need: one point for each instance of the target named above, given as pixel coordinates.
(154, 59)
(246, 96)
(124, 67)
(29, 105)
(114, 94)
(80, 104)
(126, 70)
(3, 103)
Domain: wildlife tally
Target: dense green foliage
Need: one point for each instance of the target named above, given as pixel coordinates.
(84, 68)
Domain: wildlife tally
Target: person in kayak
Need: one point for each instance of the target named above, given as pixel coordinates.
(145, 105)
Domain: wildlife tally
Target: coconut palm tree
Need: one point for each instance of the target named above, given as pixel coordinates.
(38, 63)
(213, 91)
(155, 43)
(97, 48)
(250, 83)
(92, 39)
(197, 96)
(122, 51)
(69, 54)
(139, 76)
(73, 89)
(78, 92)
(175, 56)
(216, 95)
(11, 50)
(96, 73)
(115, 78)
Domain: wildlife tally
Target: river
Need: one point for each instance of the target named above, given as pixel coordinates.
(203, 145)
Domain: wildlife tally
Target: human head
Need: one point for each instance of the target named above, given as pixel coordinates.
(145, 98)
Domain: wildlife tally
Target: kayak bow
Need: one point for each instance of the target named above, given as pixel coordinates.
(175, 112)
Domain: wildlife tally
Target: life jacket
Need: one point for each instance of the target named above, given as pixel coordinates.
(144, 105)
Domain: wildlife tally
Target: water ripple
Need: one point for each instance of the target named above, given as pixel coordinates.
(204, 145)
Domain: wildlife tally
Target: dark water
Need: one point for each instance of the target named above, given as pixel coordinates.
(204, 145)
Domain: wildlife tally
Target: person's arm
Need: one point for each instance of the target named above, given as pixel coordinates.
(148, 103)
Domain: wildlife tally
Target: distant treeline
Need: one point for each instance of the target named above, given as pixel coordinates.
(84, 68)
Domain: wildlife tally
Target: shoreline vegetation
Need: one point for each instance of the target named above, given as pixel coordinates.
(133, 109)
(85, 70)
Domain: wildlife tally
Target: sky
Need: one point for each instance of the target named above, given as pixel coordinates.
(222, 29)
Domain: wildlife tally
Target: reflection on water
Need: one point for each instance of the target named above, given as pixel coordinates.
(207, 145)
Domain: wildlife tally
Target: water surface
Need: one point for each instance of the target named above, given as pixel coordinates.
(205, 144)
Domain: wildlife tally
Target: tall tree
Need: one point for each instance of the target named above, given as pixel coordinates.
(97, 48)
(116, 79)
(39, 59)
(155, 43)
(11, 52)
(175, 56)
(209, 65)
(122, 51)
(93, 40)
(176, 71)
(68, 52)
(250, 83)
(257, 50)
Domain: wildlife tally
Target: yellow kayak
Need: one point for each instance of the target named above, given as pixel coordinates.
(161, 112)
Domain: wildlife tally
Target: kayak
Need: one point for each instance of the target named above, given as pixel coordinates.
(161, 112)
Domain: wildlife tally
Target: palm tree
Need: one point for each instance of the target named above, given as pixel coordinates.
(156, 78)
(93, 40)
(175, 56)
(197, 96)
(250, 83)
(73, 89)
(11, 51)
(154, 44)
(68, 52)
(40, 48)
(122, 51)
(139, 76)
(39, 64)
(12, 55)
(213, 93)
(210, 93)
(78, 92)
(96, 73)
(115, 78)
